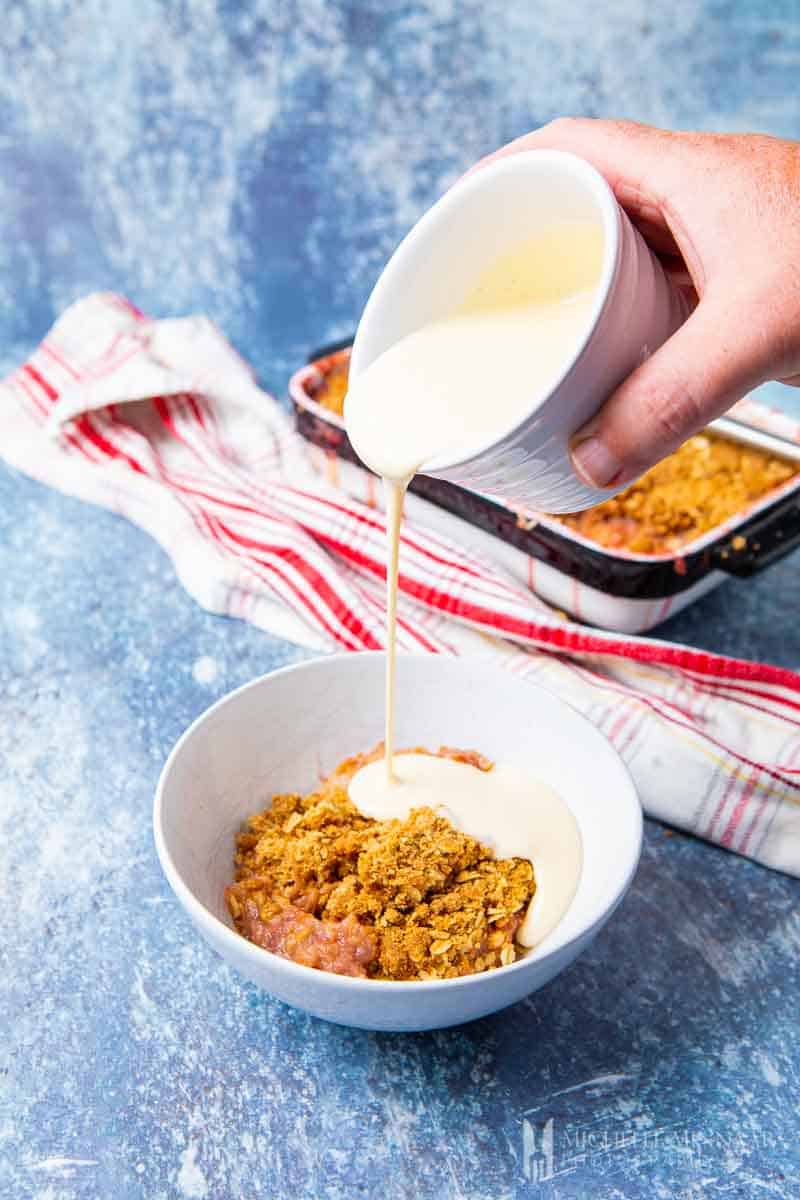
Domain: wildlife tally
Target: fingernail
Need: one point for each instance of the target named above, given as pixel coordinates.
(594, 462)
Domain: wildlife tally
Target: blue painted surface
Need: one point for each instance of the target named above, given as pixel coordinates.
(257, 162)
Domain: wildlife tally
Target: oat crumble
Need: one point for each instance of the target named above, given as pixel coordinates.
(408, 900)
(701, 485)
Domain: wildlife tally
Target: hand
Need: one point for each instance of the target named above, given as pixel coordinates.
(722, 212)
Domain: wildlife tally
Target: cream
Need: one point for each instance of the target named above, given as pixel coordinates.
(440, 394)
(451, 386)
(507, 809)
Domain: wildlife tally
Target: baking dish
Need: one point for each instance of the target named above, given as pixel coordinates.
(612, 588)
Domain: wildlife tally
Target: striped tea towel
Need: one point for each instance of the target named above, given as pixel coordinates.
(162, 421)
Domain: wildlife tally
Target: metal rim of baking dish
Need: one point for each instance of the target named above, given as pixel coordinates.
(742, 546)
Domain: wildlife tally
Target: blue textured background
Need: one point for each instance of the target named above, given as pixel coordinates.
(258, 162)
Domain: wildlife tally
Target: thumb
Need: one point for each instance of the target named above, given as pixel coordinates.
(704, 368)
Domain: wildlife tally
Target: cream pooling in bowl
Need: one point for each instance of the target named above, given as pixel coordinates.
(439, 393)
(506, 809)
(216, 776)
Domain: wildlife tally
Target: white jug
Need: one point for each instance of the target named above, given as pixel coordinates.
(485, 216)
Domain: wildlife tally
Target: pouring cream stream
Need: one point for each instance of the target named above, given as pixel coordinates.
(440, 393)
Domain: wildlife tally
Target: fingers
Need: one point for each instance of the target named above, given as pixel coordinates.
(634, 158)
(648, 169)
(699, 373)
(720, 210)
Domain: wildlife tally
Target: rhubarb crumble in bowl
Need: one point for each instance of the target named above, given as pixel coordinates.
(399, 925)
(322, 884)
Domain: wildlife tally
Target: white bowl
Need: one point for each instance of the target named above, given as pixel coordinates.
(284, 731)
(485, 216)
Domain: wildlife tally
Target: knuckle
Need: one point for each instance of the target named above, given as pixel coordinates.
(565, 125)
(673, 414)
(631, 128)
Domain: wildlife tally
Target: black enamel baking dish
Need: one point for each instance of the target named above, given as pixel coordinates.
(613, 588)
